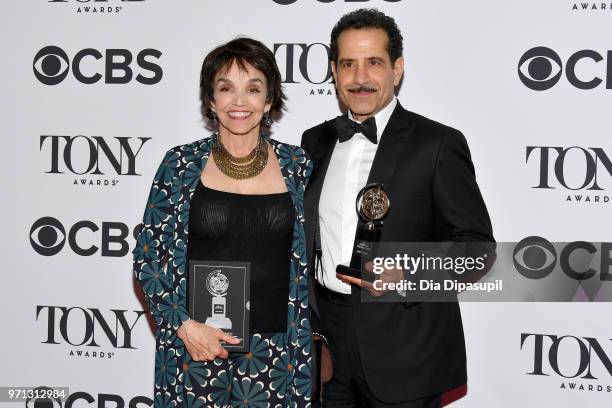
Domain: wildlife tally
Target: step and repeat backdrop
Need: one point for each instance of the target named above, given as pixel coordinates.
(94, 93)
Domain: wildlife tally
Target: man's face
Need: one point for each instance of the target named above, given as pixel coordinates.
(365, 77)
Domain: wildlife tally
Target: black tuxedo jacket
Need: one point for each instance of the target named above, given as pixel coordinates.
(408, 350)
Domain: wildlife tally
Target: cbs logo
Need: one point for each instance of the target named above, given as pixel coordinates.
(540, 68)
(48, 237)
(535, 258)
(51, 66)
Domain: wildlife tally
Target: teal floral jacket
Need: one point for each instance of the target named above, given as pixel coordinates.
(160, 267)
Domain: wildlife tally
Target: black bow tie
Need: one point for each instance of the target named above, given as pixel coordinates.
(347, 128)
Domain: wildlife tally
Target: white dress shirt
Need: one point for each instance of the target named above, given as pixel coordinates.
(346, 174)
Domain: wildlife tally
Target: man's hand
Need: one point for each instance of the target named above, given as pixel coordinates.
(203, 341)
(393, 275)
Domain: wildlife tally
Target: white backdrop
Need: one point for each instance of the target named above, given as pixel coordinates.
(462, 69)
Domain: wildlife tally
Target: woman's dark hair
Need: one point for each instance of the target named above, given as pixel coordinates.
(241, 51)
(368, 18)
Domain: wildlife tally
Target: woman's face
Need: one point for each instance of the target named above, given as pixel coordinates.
(240, 99)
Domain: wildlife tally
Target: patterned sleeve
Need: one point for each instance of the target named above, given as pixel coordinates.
(154, 243)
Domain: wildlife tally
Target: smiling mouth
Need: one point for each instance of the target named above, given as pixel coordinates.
(239, 114)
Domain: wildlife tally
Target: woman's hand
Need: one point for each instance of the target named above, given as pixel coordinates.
(203, 341)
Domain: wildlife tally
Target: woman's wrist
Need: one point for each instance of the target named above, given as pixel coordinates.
(183, 327)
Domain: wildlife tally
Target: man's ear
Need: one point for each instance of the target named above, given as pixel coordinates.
(398, 70)
(333, 67)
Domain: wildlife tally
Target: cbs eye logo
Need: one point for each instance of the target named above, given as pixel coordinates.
(540, 68)
(534, 257)
(47, 236)
(51, 66)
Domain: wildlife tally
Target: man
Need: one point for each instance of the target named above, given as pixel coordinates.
(392, 354)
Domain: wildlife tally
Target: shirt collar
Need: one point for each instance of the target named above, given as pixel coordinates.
(382, 117)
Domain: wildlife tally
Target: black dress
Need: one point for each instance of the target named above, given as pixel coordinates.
(258, 229)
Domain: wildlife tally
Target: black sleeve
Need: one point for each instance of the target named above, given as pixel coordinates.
(460, 204)
(456, 193)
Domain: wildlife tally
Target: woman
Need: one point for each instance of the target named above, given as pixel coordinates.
(237, 196)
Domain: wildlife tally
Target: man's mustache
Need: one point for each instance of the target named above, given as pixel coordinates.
(363, 88)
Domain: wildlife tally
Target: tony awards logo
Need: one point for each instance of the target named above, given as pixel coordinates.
(372, 207)
(217, 285)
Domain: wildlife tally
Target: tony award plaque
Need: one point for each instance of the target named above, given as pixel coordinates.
(372, 207)
(219, 297)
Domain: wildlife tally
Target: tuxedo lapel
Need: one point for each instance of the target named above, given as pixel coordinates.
(391, 146)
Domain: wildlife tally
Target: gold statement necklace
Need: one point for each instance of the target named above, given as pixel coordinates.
(244, 167)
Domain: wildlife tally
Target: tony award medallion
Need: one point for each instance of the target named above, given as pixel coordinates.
(217, 285)
(372, 206)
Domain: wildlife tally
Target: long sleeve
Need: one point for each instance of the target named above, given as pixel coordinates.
(456, 193)
(461, 206)
(153, 267)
